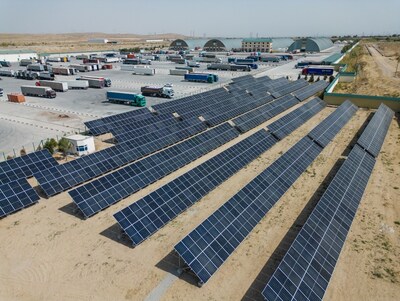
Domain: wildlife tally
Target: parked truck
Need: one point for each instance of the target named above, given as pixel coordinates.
(228, 67)
(38, 91)
(33, 75)
(178, 72)
(64, 70)
(36, 67)
(317, 70)
(77, 84)
(193, 64)
(26, 62)
(179, 61)
(81, 68)
(271, 59)
(145, 61)
(55, 85)
(5, 64)
(165, 91)
(7, 72)
(132, 99)
(96, 82)
(201, 77)
(131, 61)
(143, 71)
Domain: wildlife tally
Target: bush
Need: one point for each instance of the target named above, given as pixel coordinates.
(331, 78)
(299, 76)
(311, 78)
(64, 145)
(50, 145)
(22, 152)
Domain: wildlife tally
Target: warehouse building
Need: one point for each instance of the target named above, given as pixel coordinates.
(189, 44)
(16, 55)
(223, 45)
(311, 45)
(266, 44)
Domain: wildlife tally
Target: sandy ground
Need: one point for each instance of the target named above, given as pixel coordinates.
(376, 73)
(48, 253)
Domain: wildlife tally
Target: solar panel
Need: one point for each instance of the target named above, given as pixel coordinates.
(62, 177)
(101, 126)
(308, 91)
(307, 266)
(101, 193)
(328, 128)
(206, 248)
(285, 125)
(144, 217)
(25, 166)
(16, 195)
(373, 136)
(263, 113)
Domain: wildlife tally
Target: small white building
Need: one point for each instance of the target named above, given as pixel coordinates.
(81, 145)
(15, 55)
(98, 41)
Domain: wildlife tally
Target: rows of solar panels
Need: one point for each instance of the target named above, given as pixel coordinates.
(144, 217)
(140, 133)
(207, 247)
(308, 265)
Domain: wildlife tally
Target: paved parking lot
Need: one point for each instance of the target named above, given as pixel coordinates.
(25, 125)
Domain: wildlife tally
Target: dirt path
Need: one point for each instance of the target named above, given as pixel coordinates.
(387, 67)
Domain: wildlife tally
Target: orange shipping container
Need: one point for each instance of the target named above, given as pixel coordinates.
(16, 97)
(131, 56)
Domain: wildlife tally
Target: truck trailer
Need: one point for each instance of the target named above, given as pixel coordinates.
(33, 75)
(165, 91)
(55, 85)
(178, 72)
(201, 77)
(64, 70)
(26, 62)
(77, 84)
(96, 82)
(38, 91)
(132, 99)
(193, 64)
(317, 70)
(7, 72)
(81, 68)
(228, 67)
(5, 64)
(143, 71)
(36, 67)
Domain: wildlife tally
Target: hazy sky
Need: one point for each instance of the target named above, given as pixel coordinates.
(230, 18)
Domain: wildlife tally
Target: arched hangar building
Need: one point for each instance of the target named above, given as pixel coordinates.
(311, 45)
(223, 45)
(188, 44)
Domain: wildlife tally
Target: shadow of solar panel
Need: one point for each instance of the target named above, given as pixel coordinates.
(169, 201)
(101, 193)
(207, 247)
(70, 174)
(373, 136)
(285, 125)
(330, 126)
(25, 166)
(307, 266)
(308, 91)
(16, 195)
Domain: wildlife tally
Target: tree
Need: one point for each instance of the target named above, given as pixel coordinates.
(299, 76)
(311, 78)
(325, 77)
(22, 152)
(331, 78)
(306, 77)
(64, 145)
(50, 145)
(318, 79)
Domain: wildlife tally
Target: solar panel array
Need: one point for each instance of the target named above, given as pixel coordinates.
(260, 115)
(16, 195)
(373, 136)
(25, 166)
(144, 217)
(308, 265)
(285, 125)
(103, 125)
(101, 193)
(167, 202)
(59, 178)
(328, 129)
(308, 91)
(206, 248)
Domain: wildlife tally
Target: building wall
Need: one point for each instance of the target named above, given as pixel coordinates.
(16, 57)
(363, 101)
(257, 46)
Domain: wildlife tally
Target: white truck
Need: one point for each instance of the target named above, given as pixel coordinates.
(36, 67)
(178, 72)
(55, 85)
(193, 64)
(165, 91)
(38, 91)
(81, 68)
(143, 71)
(77, 84)
(7, 72)
(111, 60)
(96, 81)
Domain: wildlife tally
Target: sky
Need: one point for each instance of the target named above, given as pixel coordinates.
(210, 18)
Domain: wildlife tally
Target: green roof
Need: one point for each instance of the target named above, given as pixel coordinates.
(257, 40)
(332, 58)
(16, 51)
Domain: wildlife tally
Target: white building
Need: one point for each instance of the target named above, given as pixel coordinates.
(81, 145)
(15, 55)
(98, 41)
